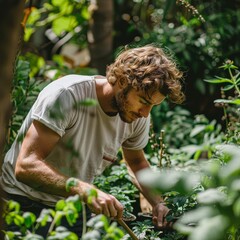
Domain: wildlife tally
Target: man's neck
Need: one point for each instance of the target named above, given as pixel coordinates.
(105, 95)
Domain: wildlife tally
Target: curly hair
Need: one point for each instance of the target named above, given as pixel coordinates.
(148, 68)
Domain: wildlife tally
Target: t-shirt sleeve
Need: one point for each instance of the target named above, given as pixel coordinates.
(55, 109)
(140, 136)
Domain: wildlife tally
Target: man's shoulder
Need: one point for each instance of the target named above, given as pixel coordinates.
(72, 79)
(67, 82)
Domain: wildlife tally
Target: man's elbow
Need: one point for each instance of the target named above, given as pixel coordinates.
(21, 171)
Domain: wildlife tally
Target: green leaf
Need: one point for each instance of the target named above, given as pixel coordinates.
(211, 196)
(71, 182)
(196, 130)
(58, 217)
(13, 206)
(169, 180)
(31, 236)
(64, 24)
(18, 220)
(60, 205)
(220, 80)
(29, 219)
(45, 217)
(235, 101)
(58, 2)
(88, 102)
(91, 193)
(197, 215)
(197, 154)
(228, 87)
(212, 228)
(236, 208)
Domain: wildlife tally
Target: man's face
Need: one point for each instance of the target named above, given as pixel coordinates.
(132, 104)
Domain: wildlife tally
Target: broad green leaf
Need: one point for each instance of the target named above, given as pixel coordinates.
(33, 17)
(211, 196)
(235, 185)
(64, 24)
(197, 215)
(11, 235)
(191, 149)
(13, 206)
(31, 236)
(18, 220)
(169, 180)
(94, 234)
(211, 228)
(233, 167)
(58, 2)
(29, 219)
(60, 205)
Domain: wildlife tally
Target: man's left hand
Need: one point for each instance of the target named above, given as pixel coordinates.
(160, 212)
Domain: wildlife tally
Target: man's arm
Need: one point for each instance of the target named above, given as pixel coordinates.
(32, 169)
(137, 161)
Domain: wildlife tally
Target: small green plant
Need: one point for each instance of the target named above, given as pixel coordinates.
(24, 92)
(99, 227)
(116, 181)
(231, 102)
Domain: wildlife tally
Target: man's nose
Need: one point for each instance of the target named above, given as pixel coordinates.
(144, 111)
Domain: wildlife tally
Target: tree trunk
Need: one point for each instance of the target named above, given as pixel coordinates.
(100, 34)
(11, 13)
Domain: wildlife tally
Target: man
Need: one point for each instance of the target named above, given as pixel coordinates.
(64, 139)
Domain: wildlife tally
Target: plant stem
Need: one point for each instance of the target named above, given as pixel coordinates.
(84, 228)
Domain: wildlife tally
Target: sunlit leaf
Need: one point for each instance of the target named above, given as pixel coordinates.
(71, 182)
(60, 205)
(197, 129)
(220, 80)
(210, 228)
(64, 24)
(169, 180)
(211, 196)
(235, 101)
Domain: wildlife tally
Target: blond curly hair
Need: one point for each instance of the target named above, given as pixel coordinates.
(148, 68)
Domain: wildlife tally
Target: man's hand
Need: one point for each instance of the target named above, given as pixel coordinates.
(106, 204)
(160, 212)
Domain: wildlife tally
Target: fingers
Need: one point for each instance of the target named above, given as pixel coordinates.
(163, 224)
(159, 217)
(106, 204)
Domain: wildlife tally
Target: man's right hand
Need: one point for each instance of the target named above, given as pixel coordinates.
(103, 204)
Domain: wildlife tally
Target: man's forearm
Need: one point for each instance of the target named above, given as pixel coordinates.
(45, 178)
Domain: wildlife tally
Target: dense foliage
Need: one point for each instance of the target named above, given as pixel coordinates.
(195, 158)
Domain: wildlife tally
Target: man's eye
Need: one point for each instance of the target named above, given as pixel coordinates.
(144, 102)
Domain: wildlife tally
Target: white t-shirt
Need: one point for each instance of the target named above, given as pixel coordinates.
(89, 141)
